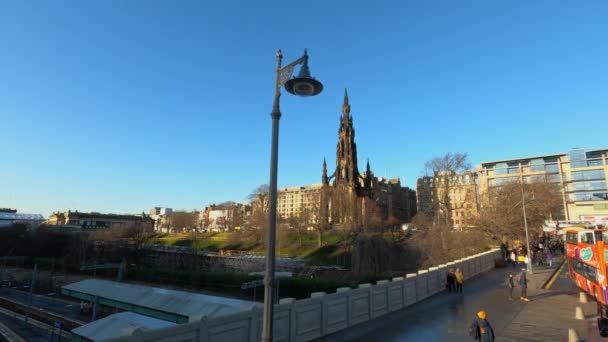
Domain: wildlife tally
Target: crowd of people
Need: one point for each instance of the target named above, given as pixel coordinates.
(543, 250)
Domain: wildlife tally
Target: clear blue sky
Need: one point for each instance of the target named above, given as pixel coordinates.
(118, 106)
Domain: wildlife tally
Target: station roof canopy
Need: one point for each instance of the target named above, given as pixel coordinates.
(119, 325)
(170, 305)
(20, 217)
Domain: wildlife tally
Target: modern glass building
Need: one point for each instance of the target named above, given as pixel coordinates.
(580, 174)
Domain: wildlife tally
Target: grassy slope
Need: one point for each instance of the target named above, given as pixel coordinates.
(335, 251)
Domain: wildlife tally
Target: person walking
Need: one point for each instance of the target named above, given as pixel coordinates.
(513, 258)
(523, 283)
(503, 251)
(480, 329)
(450, 280)
(550, 258)
(511, 284)
(459, 280)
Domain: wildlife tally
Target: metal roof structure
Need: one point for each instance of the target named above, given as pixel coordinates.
(169, 305)
(117, 325)
(20, 217)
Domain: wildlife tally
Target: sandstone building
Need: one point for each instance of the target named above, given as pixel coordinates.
(93, 221)
(579, 174)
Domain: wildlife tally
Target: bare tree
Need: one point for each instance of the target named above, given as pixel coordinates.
(444, 171)
(502, 214)
(184, 219)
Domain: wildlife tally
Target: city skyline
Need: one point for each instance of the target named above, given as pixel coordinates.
(170, 106)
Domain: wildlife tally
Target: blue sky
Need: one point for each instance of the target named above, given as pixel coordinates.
(118, 106)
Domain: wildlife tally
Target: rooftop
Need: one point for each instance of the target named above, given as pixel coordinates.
(172, 305)
(119, 325)
(16, 217)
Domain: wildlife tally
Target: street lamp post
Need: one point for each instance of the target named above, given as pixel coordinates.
(523, 204)
(303, 85)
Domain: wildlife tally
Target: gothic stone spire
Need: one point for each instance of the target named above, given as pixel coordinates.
(347, 173)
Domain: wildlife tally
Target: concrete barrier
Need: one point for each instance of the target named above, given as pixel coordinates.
(359, 305)
(306, 320)
(409, 289)
(422, 285)
(379, 299)
(336, 312)
(282, 326)
(396, 299)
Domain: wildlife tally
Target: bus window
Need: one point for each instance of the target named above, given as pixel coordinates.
(598, 236)
(571, 237)
(584, 270)
(587, 238)
(605, 237)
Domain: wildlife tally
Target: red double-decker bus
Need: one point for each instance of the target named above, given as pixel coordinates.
(586, 254)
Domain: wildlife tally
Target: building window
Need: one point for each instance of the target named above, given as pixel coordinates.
(588, 175)
(513, 168)
(501, 169)
(577, 158)
(590, 185)
(537, 164)
(589, 196)
(594, 159)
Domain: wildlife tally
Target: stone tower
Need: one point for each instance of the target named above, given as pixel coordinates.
(347, 173)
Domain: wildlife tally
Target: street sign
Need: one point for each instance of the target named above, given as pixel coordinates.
(252, 284)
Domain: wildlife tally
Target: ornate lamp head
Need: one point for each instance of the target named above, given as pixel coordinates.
(304, 84)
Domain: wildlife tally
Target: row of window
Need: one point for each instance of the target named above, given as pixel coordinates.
(554, 178)
(588, 196)
(586, 186)
(584, 269)
(549, 164)
(588, 175)
(501, 181)
(551, 178)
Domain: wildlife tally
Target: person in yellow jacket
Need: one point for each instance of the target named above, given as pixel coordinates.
(459, 280)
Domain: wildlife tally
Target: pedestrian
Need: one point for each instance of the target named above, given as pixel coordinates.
(526, 261)
(523, 283)
(513, 258)
(511, 284)
(450, 280)
(480, 329)
(550, 258)
(459, 280)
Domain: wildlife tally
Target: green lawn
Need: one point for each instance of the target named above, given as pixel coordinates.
(335, 250)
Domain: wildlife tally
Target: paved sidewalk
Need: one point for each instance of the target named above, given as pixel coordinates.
(446, 317)
(550, 313)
